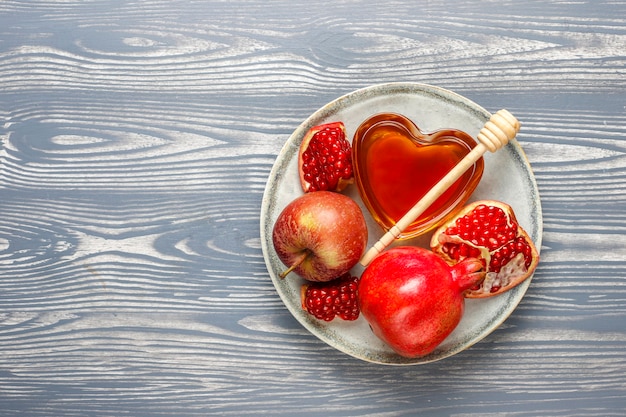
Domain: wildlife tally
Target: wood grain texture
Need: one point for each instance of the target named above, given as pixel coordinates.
(135, 142)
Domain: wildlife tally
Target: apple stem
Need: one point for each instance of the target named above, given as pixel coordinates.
(305, 254)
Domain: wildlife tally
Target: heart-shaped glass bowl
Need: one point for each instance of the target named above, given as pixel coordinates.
(507, 177)
(396, 164)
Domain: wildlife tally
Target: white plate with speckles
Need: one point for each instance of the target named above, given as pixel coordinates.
(507, 177)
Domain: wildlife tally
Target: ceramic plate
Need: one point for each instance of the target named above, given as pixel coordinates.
(507, 177)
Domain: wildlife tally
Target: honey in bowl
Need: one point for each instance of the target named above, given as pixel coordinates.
(395, 165)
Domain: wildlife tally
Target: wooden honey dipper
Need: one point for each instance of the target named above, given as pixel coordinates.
(496, 133)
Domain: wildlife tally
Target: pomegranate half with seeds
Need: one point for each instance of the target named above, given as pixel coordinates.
(325, 159)
(488, 230)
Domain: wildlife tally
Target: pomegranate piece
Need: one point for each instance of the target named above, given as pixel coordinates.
(326, 300)
(325, 159)
(488, 230)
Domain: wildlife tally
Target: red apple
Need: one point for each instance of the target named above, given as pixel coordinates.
(413, 299)
(320, 235)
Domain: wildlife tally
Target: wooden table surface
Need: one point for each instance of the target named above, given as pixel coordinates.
(136, 139)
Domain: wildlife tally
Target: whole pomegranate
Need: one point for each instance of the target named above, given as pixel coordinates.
(413, 299)
(488, 230)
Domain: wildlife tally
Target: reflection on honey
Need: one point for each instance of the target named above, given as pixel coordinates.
(396, 165)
